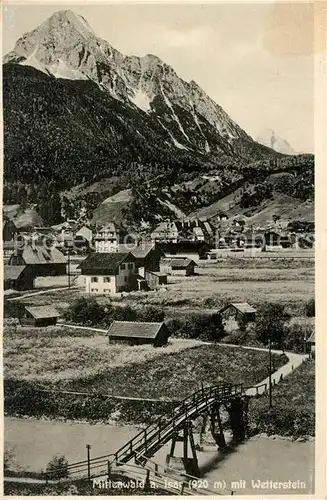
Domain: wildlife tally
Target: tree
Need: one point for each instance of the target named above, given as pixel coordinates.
(270, 324)
(152, 313)
(57, 467)
(86, 311)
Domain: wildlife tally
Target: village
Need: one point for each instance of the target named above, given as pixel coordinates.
(95, 319)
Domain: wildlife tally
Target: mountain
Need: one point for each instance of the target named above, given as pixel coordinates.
(270, 139)
(79, 113)
(136, 100)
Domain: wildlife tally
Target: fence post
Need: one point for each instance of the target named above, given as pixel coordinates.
(108, 469)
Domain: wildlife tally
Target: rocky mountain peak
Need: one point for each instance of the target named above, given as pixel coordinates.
(66, 47)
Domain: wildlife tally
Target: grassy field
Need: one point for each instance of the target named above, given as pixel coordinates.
(178, 375)
(57, 354)
(213, 286)
(76, 360)
(293, 412)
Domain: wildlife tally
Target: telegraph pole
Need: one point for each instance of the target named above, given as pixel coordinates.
(270, 381)
(68, 267)
(305, 329)
(88, 448)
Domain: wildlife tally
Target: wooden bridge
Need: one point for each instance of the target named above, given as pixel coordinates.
(134, 458)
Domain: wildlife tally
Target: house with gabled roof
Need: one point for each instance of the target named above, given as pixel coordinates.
(147, 256)
(18, 278)
(43, 260)
(109, 272)
(138, 333)
(108, 238)
(239, 310)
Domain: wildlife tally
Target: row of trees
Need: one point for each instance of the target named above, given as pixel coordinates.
(272, 322)
(87, 311)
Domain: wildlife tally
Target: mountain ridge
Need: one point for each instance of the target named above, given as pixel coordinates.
(77, 111)
(65, 46)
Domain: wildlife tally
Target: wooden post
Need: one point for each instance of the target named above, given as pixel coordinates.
(145, 440)
(185, 432)
(108, 469)
(88, 448)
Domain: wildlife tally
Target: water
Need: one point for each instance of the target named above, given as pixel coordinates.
(258, 459)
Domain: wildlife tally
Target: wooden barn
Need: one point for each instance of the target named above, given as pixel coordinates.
(138, 333)
(238, 310)
(18, 278)
(155, 278)
(178, 266)
(44, 261)
(39, 316)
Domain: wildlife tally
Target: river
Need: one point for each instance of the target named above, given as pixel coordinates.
(246, 469)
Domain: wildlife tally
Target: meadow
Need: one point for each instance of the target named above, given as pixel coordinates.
(58, 354)
(293, 411)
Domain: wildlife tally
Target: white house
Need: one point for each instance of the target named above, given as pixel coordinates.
(108, 238)
(109, 272)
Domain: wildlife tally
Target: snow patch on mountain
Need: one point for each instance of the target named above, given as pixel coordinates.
(61, 70)
(141, 100)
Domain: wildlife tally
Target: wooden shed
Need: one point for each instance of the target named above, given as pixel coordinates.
(39, 316)
(138, 333)
(155, 278)
(179, 266)
(238, 310)
(18, 277)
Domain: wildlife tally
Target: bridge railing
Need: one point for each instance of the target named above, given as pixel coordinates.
(159, 431)
(186, 409)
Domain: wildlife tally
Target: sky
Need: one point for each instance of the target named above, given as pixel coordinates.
(256, 60)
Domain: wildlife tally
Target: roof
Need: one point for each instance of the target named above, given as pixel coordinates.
(141, 251)
(208, 228)
(243, 307)
(156, 273)
(135, 329)
(41, 312)
(12, 272)
(85, 232)
(39, 254)
(312, 338)
(107, 261)
(179, 262)
(198, 231)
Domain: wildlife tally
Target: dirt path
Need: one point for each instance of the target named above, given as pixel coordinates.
(41, 292)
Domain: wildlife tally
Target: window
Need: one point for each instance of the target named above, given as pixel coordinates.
(125, 278)
(130, 266)
(94, 290)
(106, 279)
(94, 279)
(122, 267)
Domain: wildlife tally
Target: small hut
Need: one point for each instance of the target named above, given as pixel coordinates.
(40, 316)
(138, 333)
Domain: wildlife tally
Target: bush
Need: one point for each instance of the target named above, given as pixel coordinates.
(57, 468)
(310, 308)
(85, 311)
(88, 311)
(198, 326)
(8, 458)
(294, 338)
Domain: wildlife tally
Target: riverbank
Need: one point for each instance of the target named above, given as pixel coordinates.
(35, 442)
